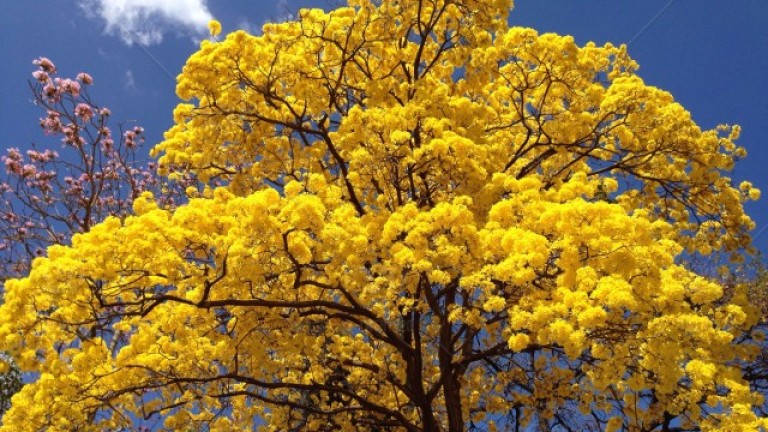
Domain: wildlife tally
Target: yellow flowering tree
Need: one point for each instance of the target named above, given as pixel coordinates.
(430, 222)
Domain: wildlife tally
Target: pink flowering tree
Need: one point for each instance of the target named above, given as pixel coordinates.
(47, 195)
(95, 170)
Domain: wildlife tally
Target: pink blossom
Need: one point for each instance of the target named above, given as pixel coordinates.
(46, 156)
(72, 136)
(51, 92)
(45, 64)
(28, 170)
(69, 134)
(14, 153)
(13, 161)
(52, 123)
(12, 167)
(129, 139)
(45, 176)
(41, 76)
(84, 78)
(105, 112)
(107, 144)
(50, 155)
(84, 111)
(69, 86)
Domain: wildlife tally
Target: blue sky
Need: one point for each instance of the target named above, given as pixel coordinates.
(710, 54)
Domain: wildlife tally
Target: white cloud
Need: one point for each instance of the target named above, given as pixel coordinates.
(145, 22)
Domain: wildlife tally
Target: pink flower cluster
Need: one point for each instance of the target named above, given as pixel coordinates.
(31, 171)
(47, 197)
(52, 123)
(84, 78)
(131, 137)
(45, 64)
(55, 88)
(84, 111)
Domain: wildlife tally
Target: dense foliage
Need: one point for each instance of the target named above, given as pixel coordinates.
(428, 222)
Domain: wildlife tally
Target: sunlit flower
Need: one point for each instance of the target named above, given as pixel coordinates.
(214, 27)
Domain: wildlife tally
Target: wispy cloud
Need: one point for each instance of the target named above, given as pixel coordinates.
(145, 22)
(130, 83)
(284, 12)
(249, 27)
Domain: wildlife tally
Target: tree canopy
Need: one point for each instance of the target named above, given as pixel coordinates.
(427, 221)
